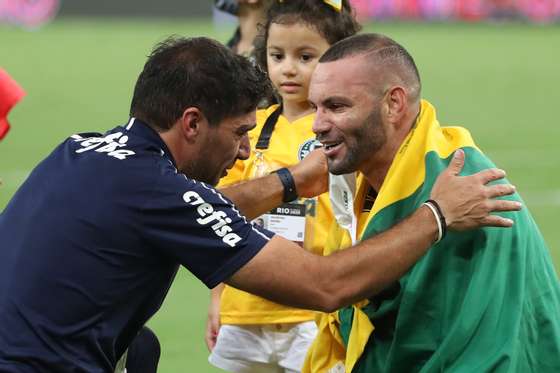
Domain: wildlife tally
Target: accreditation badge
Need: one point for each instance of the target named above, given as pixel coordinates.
(295, 220)
(287, 220)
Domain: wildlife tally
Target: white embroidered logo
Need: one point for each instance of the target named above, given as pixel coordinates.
(112, 144)
(307, 147)
(219, 218)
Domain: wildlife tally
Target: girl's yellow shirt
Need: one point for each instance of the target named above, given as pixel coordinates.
(289, 143)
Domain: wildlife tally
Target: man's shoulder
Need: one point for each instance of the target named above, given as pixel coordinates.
(113, 162)
(115, 144)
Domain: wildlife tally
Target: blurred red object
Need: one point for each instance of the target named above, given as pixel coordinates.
(10, 94)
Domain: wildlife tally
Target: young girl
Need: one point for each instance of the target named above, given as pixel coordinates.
(256, 334)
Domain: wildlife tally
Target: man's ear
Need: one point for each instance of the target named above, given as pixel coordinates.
(192, 123)
(396, 103)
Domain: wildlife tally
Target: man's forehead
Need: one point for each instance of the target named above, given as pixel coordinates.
(250, 116)
(244, 119)
(338, 76)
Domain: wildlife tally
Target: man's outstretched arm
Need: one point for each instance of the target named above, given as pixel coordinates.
(258, 196)
(285, 273)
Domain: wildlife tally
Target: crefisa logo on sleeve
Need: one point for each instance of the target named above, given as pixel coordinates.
(208, 215)
(114, 145)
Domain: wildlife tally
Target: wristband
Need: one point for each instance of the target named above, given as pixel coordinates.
(288, 183)
(440, 219)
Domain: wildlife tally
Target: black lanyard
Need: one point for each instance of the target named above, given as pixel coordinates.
(268, 128)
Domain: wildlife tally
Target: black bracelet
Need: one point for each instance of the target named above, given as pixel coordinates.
(290, 192)
(440, 216)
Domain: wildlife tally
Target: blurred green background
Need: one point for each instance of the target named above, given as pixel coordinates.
(500, 81)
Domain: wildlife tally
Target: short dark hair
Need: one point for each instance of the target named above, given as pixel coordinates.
(331, 24)
(381, 48)
(195, 72)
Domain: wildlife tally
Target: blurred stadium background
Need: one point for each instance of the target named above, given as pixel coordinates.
(491, 66)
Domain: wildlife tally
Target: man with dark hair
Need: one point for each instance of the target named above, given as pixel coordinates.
(195, 73)
(484, 300)
(159, 99)
(93, 238)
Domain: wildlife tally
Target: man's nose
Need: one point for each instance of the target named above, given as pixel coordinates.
(244, 148)
(320, 124)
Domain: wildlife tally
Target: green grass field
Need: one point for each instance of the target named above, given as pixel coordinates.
(500, 81)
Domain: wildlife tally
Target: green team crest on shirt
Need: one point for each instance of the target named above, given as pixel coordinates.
(307, 147)
(304, 149)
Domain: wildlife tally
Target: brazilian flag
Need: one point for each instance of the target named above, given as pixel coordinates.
(486, 300)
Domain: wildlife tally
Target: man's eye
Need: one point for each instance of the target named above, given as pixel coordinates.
(336, 106)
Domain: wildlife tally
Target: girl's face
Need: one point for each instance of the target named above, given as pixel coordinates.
(292, 53)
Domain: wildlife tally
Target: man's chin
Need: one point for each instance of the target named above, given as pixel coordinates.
(338, 169)
(214, 180)
(193, 173)
(336, 172)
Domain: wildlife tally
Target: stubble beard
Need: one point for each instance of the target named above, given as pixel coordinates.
(201, 172)
(370, 137)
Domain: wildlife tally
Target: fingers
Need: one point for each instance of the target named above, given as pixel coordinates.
(496, 221)
(457, 162)
(209, 344)
(490, 174)
(210, 339)
(499, 190)
(503, 205)
(311, 175)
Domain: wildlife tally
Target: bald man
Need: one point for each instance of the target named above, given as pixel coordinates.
(484, 300)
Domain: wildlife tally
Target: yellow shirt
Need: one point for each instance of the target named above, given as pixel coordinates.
(290, 142)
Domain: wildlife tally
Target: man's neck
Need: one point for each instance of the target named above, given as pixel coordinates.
(173, 143)
(377, 167)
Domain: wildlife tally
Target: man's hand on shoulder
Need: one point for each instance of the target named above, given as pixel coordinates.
(467, 201)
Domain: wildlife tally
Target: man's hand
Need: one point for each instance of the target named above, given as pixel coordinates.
(467, 201)
(213, 321)
(311, 174)
(258, 196)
